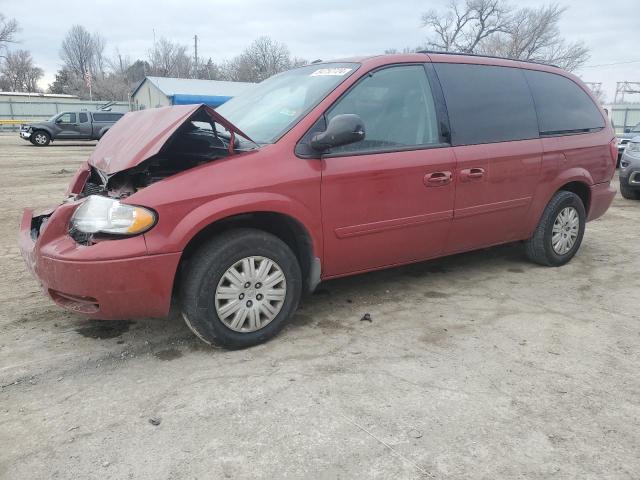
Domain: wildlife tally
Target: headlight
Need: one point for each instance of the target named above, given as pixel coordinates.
(106, 215)
(633, 147)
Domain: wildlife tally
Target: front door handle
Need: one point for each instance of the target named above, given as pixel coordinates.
(469, 174)
(437, 179)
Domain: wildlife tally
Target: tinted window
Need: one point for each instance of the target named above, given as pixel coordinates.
(561, 104)
(396, 107)
(83, 117)
(106, 117)
(67, 118)
(487, 104)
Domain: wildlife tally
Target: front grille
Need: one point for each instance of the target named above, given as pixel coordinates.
(81, 237)
(91, 188)
(37, 226)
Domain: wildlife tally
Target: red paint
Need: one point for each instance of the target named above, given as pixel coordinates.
(362, 212)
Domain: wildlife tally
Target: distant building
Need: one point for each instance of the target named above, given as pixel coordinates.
(23, 107)
(155, 92)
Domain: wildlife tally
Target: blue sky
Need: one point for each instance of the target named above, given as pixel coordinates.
(311, 30)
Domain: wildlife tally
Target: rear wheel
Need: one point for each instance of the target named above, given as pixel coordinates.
(40, 138)
(240, 288)
(559, 234)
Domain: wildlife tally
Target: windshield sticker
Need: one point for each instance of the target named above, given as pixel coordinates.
(331, 71)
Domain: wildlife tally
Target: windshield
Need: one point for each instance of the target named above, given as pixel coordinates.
(53, 118)
(273, 106)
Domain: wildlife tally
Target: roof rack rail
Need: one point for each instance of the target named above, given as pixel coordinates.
(486, 56)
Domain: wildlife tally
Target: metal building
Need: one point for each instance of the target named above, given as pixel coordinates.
(155, 92)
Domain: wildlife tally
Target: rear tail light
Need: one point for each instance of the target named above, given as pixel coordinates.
(613, 149)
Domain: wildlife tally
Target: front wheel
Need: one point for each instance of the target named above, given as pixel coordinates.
(559, 234)
(40, 138)
(240, 288)
(629, 193)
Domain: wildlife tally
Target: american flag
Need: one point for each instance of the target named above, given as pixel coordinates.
(87, 78)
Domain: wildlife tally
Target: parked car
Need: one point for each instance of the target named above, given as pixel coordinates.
(625, 138)
(324, 171)
(630, 170)
(70, 126)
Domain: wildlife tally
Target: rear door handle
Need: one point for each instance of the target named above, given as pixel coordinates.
(469, 174)
(437, 179)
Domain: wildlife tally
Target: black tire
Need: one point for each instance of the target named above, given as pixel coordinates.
(40, 138)
(207, 266)
(629, 193)
(539, 247)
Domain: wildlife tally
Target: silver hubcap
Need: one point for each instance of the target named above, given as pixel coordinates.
(250, 294)
(41, 139)
(565, 230)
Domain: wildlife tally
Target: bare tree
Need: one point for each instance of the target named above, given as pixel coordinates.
(83, 52)
(494, 27)
(464, 26)
(534, 35)
(168, 59)
(208, 70)
(18, 73)
(260, 60)
(8, 29)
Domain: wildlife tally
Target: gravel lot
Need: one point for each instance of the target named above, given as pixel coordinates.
(479, 366)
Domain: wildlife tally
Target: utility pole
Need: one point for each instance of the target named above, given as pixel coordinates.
(625, 87)
(195, 40)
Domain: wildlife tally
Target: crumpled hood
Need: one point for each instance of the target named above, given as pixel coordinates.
(140, 135)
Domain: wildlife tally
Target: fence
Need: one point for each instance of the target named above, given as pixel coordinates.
(624, 116)
(17, 110)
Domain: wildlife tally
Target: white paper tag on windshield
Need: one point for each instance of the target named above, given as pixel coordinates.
(331, 71)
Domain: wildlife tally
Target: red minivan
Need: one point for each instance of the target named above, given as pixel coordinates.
(327, 170)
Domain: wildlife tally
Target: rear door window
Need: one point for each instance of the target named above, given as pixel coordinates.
(563, 107)
(83, 117)
(487, 104)
(396, 107)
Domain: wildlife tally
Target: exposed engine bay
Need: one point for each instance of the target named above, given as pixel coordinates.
(198, 141)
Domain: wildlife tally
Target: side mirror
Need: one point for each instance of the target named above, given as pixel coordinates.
(58, 120)
(627, 130)
(341, 130)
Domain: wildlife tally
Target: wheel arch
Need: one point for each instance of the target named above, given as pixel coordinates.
(581, 189)
(43, 129)
(284, 226)
(575, 180)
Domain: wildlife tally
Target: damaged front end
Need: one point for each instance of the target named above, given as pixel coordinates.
(141, 149)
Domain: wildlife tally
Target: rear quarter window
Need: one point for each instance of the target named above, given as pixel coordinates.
(487, 104)
(562, 106)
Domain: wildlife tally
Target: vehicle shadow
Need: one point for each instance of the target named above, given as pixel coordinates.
(360, 291)
(63, 143)
(169, 338)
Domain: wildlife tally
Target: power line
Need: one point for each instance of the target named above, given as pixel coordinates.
(611, 64)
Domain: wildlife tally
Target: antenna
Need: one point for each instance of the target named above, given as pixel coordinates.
(195, 44)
